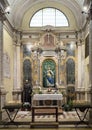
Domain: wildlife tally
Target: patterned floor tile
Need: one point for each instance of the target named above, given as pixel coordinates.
(26, 116)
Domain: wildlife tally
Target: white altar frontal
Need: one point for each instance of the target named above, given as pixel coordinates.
(47, 99)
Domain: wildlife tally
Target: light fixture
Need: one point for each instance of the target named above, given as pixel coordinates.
(85, 9)
(87, 5)
(83, 12)
(5, 11)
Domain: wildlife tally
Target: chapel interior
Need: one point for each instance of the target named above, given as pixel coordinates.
(45, 48)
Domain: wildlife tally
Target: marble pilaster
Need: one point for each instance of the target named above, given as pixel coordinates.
(83, 66)
(79, 67)
(17, 68)
(1, 54)
(90, 57)
(2, 90)
(15, 64)
(90, 49)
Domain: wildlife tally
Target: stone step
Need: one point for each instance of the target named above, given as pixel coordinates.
(44, 124)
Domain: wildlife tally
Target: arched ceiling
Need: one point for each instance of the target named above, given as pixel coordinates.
(21, 8)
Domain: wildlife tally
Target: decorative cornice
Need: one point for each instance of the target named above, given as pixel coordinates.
(48, 28)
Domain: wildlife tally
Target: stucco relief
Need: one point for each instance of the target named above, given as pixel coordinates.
(48, 41)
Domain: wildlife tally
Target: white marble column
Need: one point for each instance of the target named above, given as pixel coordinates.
(1, 54)
(2, 89)
(90, 56)
(90, 50)
(79, 67)
(3, 5)
(83, 67)
(81, 70)
(17, 68)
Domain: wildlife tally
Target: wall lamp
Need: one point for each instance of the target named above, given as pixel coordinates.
(83, 12)
(6, 11)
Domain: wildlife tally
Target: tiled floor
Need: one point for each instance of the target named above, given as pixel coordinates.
(70, 116)
(66, 116)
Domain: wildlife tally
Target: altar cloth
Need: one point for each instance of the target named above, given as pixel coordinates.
(47, 97)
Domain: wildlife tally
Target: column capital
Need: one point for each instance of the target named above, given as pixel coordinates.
(80, 42)
(17, 36)
(18, 44)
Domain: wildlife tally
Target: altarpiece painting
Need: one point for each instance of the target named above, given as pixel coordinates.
(49, 73)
